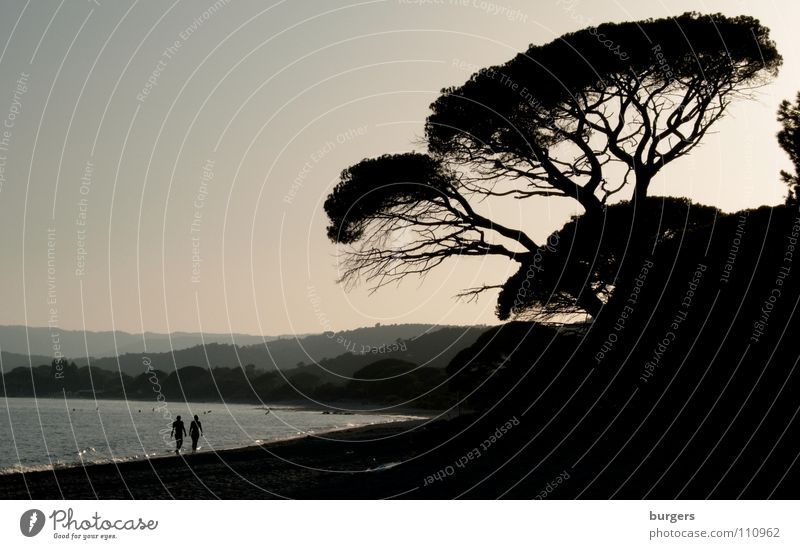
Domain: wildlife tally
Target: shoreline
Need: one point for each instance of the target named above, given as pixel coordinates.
(341, 407)
(281, 469)
(403, 416)
(45, 468)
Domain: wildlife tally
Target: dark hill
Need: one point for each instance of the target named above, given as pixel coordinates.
(420, 343)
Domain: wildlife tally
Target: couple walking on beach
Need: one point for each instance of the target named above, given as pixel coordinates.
(178, 431)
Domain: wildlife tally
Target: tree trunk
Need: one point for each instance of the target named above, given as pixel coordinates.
(590, 231)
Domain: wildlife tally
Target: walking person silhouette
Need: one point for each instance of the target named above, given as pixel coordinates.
(178, 430)
(195, 430)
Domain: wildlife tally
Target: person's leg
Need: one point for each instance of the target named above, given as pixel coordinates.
(194, 443)
(178, 444)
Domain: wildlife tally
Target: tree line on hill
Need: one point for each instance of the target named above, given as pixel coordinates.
(405, 372)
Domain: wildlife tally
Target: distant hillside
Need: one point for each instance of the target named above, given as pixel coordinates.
(425, 344)
(396, 382)
(432, 350)
(407, 370)
(14, 360)
(14, 339)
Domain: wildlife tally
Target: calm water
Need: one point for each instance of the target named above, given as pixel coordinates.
(41, 433)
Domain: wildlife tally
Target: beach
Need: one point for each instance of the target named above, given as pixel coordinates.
(466, 457)
(329, 466)
(417, 459)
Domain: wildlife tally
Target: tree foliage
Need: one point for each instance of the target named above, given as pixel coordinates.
(565, 276)
(406, 213)
(559, 119)
(585, 117)
(789, 140)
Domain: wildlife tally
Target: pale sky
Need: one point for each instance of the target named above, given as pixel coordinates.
(165, 105)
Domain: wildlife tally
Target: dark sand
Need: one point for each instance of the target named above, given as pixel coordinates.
(443, 459)
(390, 460)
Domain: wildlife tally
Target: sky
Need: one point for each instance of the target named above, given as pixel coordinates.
(164, 163)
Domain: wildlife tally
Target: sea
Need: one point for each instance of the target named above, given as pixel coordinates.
(45, 433)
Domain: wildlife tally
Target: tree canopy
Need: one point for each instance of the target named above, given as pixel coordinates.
(789, 140)
(555, 119)
(585, 117)
(568, 277)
